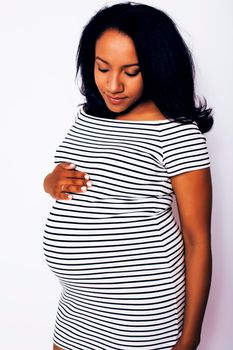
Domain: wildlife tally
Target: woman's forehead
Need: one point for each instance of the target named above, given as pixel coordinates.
(113, 45)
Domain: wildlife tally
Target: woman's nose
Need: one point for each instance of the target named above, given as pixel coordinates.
(114, 84)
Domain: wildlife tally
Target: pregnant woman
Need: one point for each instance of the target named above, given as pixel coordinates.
(132, 277)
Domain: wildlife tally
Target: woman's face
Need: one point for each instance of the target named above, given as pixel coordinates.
(116, 71)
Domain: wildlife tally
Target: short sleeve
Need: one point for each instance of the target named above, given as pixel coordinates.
(184, 149)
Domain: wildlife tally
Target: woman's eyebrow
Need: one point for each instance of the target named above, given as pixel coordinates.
(125, 66)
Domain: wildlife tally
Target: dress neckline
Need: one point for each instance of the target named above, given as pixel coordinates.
(159, 121)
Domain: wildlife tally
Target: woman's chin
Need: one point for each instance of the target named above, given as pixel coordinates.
(116, 108)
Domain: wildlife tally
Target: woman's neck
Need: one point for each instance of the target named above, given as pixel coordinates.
(144, 111)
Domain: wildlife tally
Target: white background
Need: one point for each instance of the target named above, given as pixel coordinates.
(38, 105)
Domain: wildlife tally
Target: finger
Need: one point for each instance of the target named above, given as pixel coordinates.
(76, 189)
(82, 173)
(77, 175)
(66, 196)
(77, 182)
(67, 165)
(63, 196)
(66, 182)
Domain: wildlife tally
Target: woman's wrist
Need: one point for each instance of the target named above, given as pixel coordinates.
(190, 342)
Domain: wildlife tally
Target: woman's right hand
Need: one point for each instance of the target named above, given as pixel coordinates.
(65, 178)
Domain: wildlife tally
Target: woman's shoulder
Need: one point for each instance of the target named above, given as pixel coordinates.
(179, 129)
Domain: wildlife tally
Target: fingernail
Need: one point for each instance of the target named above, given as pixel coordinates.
(86, 176)
(83, 188)
(70, 196)
(72, 166)
(89, 183)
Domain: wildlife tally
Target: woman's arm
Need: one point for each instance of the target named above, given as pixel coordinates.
(64, 179)
(193, 192)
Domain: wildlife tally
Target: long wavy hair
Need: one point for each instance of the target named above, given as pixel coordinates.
(165, 62)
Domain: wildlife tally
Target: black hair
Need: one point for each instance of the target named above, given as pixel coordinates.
(165, 62)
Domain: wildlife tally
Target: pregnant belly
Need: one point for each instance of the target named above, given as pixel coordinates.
(117, 250)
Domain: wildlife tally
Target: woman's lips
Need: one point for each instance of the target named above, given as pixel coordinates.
(115, 100)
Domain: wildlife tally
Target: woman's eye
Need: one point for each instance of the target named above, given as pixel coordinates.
(132, 74)
(103, 70)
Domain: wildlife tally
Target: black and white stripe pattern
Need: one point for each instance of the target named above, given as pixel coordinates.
(117, 249)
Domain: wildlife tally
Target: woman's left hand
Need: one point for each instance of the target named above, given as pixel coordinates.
(182, 345)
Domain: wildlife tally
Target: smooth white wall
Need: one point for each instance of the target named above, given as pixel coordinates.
(38, 104)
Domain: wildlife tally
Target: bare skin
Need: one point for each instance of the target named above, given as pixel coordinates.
(193, 192)
(55, 347)
(65, 178)
(117, 76)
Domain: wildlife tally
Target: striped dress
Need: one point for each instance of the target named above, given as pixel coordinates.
(117, 249)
